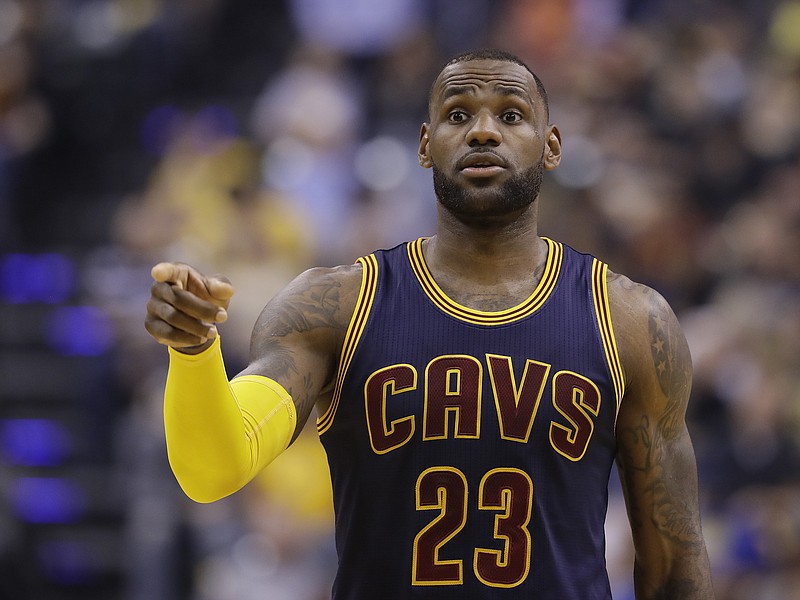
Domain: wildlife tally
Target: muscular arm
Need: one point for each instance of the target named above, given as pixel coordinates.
(221, 434)
(655, 457)
(299, 335)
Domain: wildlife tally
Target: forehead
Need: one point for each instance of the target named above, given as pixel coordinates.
(496, 75)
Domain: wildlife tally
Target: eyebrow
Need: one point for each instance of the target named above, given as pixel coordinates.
(459, 90)
(515, 91)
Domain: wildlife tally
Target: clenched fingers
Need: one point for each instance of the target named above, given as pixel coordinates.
(178, 336)
(185, 305)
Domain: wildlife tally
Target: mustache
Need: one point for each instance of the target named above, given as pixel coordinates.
(479, 155)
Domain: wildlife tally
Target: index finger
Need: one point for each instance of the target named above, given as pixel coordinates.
(174, 273)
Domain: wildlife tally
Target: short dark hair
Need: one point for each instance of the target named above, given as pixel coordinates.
(495, 54)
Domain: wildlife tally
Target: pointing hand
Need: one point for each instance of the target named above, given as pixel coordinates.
(185, 306)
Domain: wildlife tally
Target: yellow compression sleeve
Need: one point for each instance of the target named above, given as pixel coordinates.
(220, 434)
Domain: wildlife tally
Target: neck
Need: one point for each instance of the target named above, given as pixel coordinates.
(486, 252)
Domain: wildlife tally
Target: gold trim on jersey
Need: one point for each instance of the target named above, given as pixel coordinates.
(366, 297)
(603, 313)
(542, 292)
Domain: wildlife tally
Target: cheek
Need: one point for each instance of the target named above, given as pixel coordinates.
(531, 151)
(442, 151)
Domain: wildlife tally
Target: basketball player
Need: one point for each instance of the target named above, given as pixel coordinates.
(473, 388)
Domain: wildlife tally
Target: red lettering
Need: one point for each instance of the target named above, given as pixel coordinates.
(574, 397)
(516, 405)
(453, 384)
(379, 387)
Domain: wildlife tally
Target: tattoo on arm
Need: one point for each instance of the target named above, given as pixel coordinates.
(672, 364)
(657, 461)
(305, 320)
(648, 440)
(282, 360)
(313, 306)
(672, 501)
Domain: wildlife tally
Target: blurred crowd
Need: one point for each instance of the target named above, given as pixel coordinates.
(260, 137)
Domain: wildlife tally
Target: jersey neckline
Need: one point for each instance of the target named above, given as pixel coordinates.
(547, 283)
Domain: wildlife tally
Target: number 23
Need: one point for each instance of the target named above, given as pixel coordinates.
(509, 491)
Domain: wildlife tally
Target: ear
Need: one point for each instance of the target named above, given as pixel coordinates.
(552, 149)
(424, 145)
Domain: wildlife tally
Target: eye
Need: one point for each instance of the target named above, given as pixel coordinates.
(457, 116)
(511, 116)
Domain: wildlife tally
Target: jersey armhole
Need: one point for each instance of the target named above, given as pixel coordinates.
(366, 297)
(603, 314)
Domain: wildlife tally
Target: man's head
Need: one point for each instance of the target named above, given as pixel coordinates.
(488, 139)
(494, 54)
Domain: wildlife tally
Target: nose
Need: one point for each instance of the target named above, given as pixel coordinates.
(484, 130)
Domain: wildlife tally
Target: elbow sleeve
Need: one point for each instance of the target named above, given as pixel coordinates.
(220, 434)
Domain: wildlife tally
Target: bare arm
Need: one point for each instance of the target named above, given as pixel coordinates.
(299, 335)
(655, 457)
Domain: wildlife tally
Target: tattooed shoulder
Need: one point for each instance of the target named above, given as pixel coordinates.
(668, 346)
(622, 281)
(318, 298)
(653, 349)
(646, 319)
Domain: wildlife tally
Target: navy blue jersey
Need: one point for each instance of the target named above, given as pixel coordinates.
(470, 451)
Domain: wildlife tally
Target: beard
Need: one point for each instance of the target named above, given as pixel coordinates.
(515, 194)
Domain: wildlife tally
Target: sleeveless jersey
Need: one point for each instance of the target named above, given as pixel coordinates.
(470, 451)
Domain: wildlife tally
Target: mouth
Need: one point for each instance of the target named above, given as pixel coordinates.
(482, 164)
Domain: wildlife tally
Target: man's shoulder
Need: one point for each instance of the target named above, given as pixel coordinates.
(636, 300)
(346, 279)
(623, 287)
(642, 320)
(341, 282)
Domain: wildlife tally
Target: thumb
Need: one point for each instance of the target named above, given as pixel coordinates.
(219, 287)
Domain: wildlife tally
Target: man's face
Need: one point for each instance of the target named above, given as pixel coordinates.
(488, 141)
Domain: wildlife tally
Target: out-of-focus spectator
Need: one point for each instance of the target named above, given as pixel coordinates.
(307, 118)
